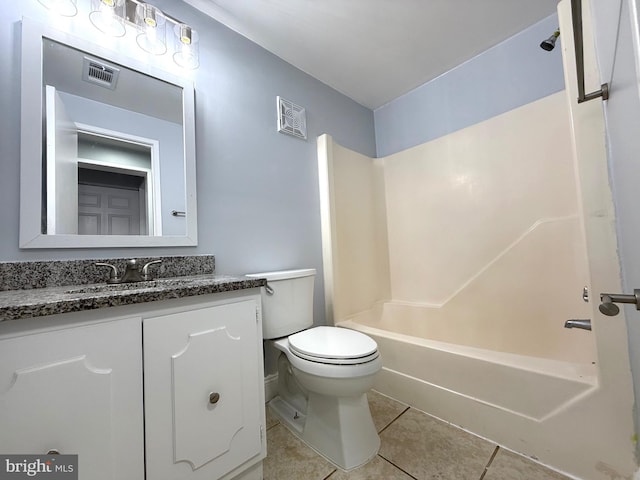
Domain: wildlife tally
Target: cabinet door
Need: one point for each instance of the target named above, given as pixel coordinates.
(204, 391)
(79, 391)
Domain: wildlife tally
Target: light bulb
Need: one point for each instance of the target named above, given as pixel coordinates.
(151, 25)
(108, 16)
(186, 46)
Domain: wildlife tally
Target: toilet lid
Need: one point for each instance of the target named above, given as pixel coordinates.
(333, 345)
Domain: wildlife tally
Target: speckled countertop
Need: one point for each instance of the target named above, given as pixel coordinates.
(36, 289)
(17, 304)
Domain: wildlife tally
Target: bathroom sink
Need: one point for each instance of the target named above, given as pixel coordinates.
(120, 287)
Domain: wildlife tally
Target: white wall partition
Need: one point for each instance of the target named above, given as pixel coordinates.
(485, 234)
(479, 240)
(355, 255)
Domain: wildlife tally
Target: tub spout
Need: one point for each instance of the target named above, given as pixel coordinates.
(583, 324)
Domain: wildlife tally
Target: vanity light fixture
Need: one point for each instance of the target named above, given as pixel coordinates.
(111, 17)
(66, 8)
(151, 26)
(108, 16)
(185, 42)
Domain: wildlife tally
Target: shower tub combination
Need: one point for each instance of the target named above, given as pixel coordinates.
(540, 407)
(423, 372)
(463, 258)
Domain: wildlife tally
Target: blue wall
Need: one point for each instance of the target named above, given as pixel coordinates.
(258, 202)
(511, 74)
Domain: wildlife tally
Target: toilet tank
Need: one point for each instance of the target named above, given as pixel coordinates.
(287, 302)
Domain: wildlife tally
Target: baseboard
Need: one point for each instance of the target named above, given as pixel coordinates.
(270, 386)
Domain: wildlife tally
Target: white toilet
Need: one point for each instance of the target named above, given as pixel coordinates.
(323, 372)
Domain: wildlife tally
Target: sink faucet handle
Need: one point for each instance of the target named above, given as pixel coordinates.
(145, 269)
(114, 276)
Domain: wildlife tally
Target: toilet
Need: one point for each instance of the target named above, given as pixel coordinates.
(323, 372)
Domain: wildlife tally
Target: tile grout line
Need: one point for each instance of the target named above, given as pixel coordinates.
(399, 468)
(386, 459)
(277, 420)
(396, 418)
(486, 468)
(383, 458)
(329, 476)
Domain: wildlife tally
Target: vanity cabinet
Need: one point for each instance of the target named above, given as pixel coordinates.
(76, 391)
(204, 391)
(177, 384)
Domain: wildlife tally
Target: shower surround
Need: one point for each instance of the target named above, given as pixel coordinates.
(477, 233)
(463, 257)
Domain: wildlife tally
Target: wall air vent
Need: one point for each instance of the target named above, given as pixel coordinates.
(100, 73)
(292, 118)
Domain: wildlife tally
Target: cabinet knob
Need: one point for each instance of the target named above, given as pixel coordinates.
(214, 397)
(53, 451)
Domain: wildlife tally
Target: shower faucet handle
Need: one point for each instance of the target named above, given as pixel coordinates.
(608, 300)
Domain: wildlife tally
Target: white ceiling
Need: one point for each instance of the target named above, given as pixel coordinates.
(373, 51)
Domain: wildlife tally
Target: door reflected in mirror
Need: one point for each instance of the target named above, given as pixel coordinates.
(116, 194)
(117, 155)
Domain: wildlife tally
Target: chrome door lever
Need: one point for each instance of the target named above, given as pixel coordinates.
(608, 307)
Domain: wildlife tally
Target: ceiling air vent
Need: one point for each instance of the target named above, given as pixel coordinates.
(100, 73)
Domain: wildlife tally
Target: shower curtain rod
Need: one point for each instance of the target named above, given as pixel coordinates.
(576, 17)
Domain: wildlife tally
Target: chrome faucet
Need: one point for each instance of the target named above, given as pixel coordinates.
(131, 273)
(114, 276)
(145, 269)
(583, 324)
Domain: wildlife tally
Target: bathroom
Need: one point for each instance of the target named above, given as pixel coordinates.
(258, 199)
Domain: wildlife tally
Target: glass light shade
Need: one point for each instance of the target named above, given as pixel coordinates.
(108, 16)
(186, 44)
(66, 8)
(151, 25)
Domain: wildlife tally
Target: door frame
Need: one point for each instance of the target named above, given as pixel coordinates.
(153, 198)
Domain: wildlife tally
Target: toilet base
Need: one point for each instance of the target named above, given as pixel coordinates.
(288, 415)
(338, 428)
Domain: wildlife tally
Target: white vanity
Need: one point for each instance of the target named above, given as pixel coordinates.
(161, 390)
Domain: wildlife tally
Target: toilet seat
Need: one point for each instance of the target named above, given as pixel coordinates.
(322, 368)
(333, 346)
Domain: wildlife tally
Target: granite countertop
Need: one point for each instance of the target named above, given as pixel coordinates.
(37, 302)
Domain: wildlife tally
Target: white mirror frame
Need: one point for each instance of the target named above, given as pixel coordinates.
(31, 200)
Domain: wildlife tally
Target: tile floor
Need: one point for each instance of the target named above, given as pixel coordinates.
(413, 445)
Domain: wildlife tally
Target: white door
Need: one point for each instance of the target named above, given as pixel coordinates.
(606, 429)
(62, 167)
(109, 211)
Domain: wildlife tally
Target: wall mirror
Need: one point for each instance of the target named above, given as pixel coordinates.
(107, 148)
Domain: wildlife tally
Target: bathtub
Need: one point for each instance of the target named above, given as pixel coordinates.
(451, 381)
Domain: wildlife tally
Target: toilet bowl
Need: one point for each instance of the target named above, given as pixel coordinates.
(323, 372)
